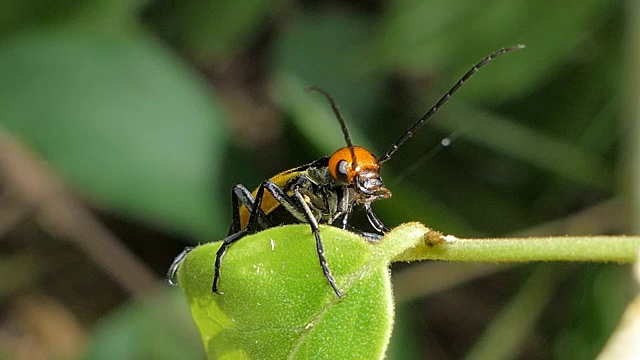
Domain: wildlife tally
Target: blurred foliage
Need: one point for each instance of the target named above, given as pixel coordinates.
(113, 112)
(210, 28)
(151, 110)
(141, 331)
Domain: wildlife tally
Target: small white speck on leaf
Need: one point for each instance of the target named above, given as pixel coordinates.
(273, 245)
(257, 267)
(449, 238)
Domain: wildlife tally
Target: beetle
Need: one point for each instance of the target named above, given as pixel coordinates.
(324, 191)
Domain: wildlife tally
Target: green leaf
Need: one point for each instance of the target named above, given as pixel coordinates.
(277, 303)
(121, 118)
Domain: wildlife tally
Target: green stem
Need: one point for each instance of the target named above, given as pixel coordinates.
(620, 249)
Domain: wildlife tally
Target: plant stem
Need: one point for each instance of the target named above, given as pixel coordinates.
(620, 249)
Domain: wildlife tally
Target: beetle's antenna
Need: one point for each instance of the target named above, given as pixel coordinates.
(343, 124)
(415, 127)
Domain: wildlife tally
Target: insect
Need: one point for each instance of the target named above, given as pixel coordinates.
(324, 191)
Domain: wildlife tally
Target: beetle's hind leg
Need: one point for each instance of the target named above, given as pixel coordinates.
(257, 221)
(220, 254)
(175, 265)
(240, 195)
(296, 206)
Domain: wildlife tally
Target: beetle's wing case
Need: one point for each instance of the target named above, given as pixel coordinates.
(314, 172)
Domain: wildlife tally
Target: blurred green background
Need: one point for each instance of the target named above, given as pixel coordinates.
(149, 111)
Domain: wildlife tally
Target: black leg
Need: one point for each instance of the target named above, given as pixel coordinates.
(345, 220)
(257, 220)
(319, 247)
(238, 191)
(252, 225)
(300, 209)
(375, 221)
(241, 196)
(175, 265)
(371, 237)
(289, 203)
(220, 254)
(297, 207)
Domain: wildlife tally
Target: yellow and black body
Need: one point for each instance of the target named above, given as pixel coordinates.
(325, 191)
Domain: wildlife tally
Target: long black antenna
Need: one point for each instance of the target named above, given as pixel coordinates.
(343, 124)
(415, 127)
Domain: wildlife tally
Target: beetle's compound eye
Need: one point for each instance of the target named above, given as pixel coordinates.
(341, 171)
(340, 165)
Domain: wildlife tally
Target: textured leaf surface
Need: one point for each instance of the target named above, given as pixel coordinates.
(277, 304)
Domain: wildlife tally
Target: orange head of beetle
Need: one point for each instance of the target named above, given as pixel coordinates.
(363, 176)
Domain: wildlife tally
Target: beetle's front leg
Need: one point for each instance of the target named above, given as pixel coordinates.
(375, 221)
